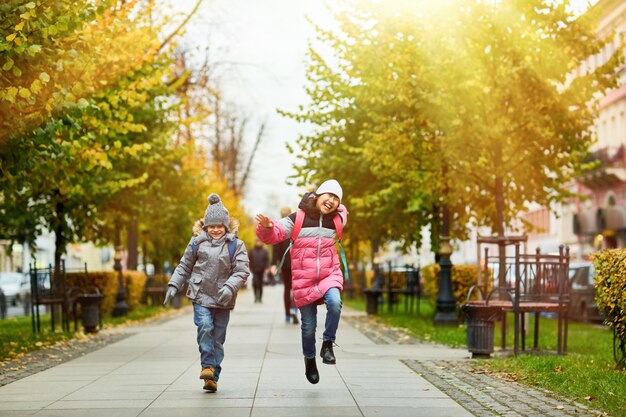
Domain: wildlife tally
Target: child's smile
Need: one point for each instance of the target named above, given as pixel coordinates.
(327, 203)
(216, 231)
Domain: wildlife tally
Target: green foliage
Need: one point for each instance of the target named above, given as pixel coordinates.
(57, 55)
(419, 105)
(80, 167)
(462, 276)
(610, 295)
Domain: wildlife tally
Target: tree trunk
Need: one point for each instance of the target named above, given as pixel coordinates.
(499, 187)
(375, 246)
(132, 243)
(59, 250)
(435, 232)
(499, 220)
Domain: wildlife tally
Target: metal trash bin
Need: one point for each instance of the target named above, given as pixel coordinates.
(480, 321)
(90, 308)
(371, 300)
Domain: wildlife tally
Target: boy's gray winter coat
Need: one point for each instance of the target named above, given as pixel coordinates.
(211, 269)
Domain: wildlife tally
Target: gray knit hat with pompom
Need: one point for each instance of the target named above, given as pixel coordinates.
(216, 213)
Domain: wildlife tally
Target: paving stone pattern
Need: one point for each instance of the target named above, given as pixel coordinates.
(482, 394)
(42, 359)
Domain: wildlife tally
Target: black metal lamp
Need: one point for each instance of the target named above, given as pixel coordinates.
(121, 307)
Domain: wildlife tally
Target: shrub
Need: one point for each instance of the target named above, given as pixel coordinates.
(462, 276)
(135, 284)
(610, 296)
(107, 282)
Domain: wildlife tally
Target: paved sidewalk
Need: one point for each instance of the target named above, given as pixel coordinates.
(379, 372)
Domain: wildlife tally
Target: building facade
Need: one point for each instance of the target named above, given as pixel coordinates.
(598, 220)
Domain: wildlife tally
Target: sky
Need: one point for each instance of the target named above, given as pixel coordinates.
(260, 47)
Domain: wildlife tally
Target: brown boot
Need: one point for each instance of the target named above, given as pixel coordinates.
(207, 373)
(210, 385)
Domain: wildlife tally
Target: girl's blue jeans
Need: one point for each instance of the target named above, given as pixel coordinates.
(211, 323)
(308, 313)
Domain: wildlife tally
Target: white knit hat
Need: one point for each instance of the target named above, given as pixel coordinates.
(331, 187)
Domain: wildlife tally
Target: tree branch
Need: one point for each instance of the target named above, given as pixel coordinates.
(181, 26)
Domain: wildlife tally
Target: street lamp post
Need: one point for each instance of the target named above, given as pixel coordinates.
(121, 307)
(446, 302)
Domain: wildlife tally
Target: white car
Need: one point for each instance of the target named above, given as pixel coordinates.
(15, 286)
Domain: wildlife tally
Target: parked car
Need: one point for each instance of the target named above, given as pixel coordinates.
(582, 291)
(15, 286)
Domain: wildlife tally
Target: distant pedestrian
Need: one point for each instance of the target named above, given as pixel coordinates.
(215, 264)
(315, 265)
(259, 264)
(278, 251)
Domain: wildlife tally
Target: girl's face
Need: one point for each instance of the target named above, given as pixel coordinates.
(216, 231)
(327, 203)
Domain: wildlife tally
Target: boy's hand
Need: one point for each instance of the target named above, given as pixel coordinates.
(264, 220)
(224, 295)
(171, 292)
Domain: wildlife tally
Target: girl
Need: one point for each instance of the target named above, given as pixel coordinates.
(315, 266)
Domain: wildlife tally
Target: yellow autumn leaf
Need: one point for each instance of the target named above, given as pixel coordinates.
(24, 92)
(11, 37)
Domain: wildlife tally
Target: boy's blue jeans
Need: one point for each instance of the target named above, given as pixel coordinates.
(332, 299)
(211, 323)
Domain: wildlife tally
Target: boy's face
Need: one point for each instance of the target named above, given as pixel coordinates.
(216, 231)
(327, 203)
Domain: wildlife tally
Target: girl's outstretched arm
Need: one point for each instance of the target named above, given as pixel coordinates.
(269, 231)
(263, 220)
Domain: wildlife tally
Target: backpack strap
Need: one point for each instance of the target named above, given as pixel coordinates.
(232, 246)
(342, 253)
(338, 226)
(297, 225)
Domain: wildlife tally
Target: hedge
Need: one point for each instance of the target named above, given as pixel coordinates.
(107, 282)
(462, 276)
(610, 296)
